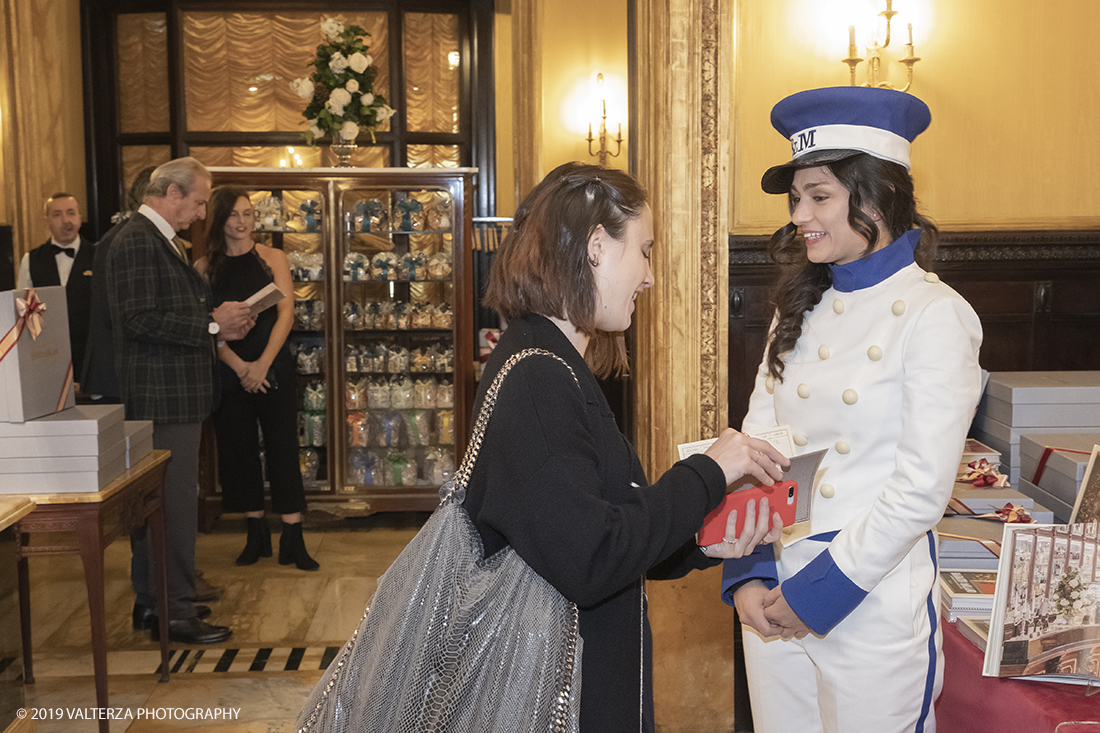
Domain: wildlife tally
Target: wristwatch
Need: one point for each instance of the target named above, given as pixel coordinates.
(213, 328)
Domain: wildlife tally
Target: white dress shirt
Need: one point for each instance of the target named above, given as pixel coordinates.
(64, 264)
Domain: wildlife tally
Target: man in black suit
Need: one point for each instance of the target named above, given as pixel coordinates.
(165, 331)
(66, 259)
(98, 378)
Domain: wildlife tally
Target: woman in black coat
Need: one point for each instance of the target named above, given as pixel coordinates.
(555, 478)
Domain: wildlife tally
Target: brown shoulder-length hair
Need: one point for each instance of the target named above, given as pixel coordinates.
(872, 183)
(219, 208)
(542, 265)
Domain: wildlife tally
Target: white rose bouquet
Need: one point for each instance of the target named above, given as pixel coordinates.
(1070, 594)
(342, 101)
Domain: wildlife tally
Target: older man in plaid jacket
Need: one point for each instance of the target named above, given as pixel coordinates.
(165, 331)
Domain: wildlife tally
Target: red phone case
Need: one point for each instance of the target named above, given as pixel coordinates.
(782, 498)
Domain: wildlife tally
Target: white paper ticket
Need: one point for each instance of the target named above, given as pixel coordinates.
(779, 437)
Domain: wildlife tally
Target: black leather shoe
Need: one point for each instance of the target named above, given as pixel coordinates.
(144, 616)
(193, 631)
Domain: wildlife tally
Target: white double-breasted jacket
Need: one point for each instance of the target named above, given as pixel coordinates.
(885, 376)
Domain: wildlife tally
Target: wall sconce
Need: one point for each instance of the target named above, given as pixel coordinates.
(603, 154)
(874, 54)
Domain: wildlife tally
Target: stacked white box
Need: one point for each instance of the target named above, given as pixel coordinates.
(956, 552)
(1020, 403)
(35, 373)
(139, 440)
(1064, 470)
(986, 501)
(81, 449)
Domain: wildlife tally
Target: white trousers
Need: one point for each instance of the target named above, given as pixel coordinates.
(879, 670)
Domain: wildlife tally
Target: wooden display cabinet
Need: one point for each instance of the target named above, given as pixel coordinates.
(383, 336)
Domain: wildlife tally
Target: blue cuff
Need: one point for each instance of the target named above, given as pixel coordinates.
(821, 594)
(759, 565)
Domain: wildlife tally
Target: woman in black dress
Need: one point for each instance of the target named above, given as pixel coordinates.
(257, 378)
(556, 479)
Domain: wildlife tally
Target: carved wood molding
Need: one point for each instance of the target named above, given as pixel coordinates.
(711, 357)
(964, 247)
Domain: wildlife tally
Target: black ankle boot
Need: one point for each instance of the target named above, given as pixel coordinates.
(258, 543)
(292, 548)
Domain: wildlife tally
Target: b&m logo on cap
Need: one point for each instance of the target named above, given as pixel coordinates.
(803, 141)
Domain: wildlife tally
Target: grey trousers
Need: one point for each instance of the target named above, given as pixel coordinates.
(181, 521)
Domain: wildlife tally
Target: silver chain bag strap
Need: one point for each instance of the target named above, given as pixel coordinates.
(453, 641)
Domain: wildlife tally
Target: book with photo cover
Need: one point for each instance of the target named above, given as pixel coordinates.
(974, 628)
(1087, 507)
(264, 298)
(966, 592)
(1044, 622)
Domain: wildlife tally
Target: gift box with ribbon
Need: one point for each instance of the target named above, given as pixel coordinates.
(36, 367)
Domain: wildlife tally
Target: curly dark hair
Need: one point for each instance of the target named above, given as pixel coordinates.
(542, 264)
(872, 183)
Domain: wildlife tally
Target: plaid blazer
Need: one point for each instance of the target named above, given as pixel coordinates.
(160, 315)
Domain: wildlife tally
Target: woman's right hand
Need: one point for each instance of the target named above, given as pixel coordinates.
(750, 600)
(739, 456)
(253, 377)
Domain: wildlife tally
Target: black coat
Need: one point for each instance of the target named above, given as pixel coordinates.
(99, 376)
(559, 482)
(78, 292)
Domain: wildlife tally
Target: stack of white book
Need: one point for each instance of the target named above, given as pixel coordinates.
(967, 592)
(1019, 403)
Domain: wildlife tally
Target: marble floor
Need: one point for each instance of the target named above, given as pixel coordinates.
(286, 625)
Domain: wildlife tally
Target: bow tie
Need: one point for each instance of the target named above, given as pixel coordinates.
(67, 250)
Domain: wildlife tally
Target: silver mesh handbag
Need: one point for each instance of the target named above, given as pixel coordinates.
(452, 641)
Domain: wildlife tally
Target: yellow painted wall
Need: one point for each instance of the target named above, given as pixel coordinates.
(578, 41)
(1014, 140)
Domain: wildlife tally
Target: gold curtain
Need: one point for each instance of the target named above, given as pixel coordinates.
(433, 156)
(135, 158)
(431, 72)
(143, 72)
(226, 55)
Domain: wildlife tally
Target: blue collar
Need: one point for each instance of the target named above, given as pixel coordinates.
(868, 271)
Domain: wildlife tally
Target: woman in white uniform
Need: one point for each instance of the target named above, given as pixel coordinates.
(875, 359)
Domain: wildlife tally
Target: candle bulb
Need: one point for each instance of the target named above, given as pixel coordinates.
(910, 34)
(590, 131)
(851, 35)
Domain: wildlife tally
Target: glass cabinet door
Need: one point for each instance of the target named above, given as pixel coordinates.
(398, 333)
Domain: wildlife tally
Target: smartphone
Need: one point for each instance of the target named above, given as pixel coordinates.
(782, 498)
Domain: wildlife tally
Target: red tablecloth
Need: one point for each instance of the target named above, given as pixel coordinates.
(971, 703)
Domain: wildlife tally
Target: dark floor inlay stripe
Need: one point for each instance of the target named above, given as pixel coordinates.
(295, 658)
(328, 656)
(5, 663)
(226, 660)
(260, 661)
(179, 662)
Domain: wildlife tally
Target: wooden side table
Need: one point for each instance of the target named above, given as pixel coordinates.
(134, 499)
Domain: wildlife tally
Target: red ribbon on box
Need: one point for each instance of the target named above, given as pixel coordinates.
(1046, 456)
(30, 317)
